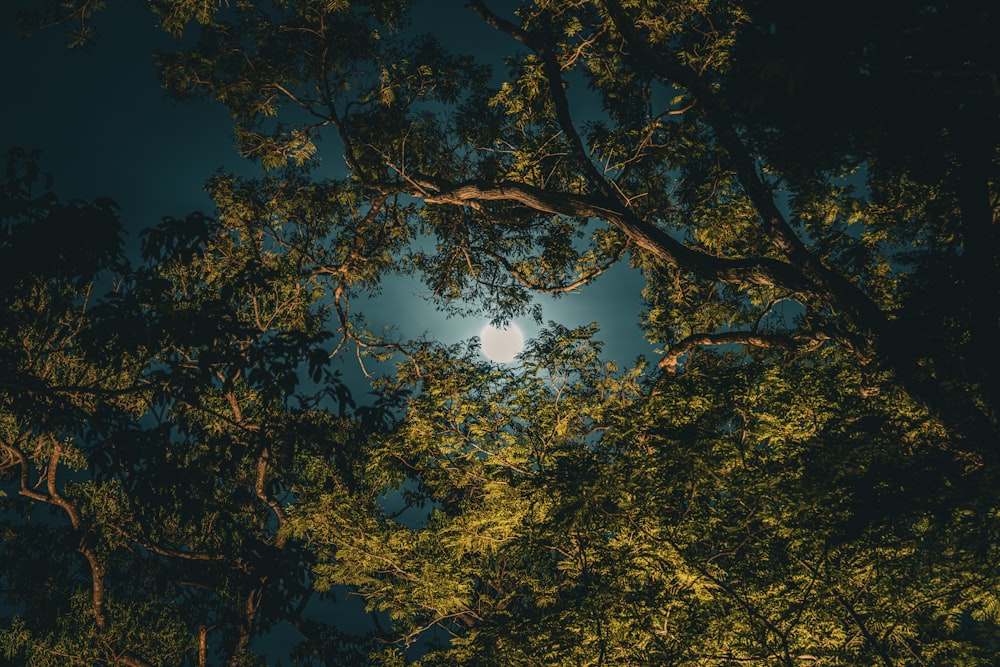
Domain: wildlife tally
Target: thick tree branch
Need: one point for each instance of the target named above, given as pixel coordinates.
(503, 25)
(202, 646)
(55, 497)
(246, 627)
(876, 336)
(789, 343)
(864, 313)
(260, 488)
(756, 271)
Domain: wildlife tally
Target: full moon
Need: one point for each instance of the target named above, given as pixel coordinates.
(501, 345)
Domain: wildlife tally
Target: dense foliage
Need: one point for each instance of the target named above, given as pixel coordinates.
(184, 473)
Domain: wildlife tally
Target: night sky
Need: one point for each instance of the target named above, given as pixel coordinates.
(106, 128)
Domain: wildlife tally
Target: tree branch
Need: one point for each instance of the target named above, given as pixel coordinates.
(756, 271)
(168, 553)
(858, 619)
(789, 343)
(260, 487)
(553, 74)
(96, 566)
(864, 313)
(584, 279)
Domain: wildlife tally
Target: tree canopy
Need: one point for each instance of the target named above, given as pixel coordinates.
(806, 474)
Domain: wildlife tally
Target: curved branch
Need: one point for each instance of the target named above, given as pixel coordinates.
(783, 341)
(352, 337)
(757, 270)
(864, 313)
(162, 551)
(584, 279)
(260, 487)
(56, 498)
(876, 333)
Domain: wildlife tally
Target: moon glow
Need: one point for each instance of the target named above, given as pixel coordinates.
(501, 345)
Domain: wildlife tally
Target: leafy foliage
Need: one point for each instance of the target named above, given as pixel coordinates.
(164, 423)
(807, 488)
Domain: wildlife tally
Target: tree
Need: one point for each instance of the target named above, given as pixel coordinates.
(509, 175)
(164, 423)
(734, 514)
(774, 490)
(53, 382)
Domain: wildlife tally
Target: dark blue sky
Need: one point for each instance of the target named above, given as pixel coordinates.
(106, 128)
(104, 125)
